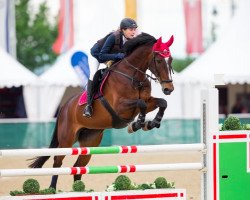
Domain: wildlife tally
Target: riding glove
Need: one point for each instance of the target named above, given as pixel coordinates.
(120, 56)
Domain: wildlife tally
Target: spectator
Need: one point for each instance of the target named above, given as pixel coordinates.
(238, 106)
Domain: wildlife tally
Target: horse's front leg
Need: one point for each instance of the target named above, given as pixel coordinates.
(134, 126)
(153, 103)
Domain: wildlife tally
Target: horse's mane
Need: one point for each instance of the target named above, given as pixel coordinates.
(141, 39)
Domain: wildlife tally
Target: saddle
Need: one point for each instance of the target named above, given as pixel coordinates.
(98, 81)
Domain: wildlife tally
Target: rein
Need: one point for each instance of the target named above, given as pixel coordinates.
(139, 83)
(144, 73)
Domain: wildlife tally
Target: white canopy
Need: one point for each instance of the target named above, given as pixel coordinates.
(174, 108)
(12, 73)
(229, 55)
(61, 73)
(53, 84)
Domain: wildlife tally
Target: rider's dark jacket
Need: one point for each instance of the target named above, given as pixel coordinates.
(109, 47)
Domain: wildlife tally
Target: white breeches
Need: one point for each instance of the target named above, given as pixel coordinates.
(93, 66)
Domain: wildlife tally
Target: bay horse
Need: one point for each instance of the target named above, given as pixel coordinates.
(126, 94)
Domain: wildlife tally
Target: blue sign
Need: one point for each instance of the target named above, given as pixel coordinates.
(79, 62)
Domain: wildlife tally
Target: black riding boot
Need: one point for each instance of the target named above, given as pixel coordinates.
(88, 109)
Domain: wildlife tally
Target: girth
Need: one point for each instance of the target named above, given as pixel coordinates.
(117, 121)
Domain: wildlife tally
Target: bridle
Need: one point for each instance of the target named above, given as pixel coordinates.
(156, 73)
(169, 66)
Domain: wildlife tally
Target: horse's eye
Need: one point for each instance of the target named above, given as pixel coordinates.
(158, 61)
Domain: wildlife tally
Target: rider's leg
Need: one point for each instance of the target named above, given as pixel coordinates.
(93, 67)
(88, 110)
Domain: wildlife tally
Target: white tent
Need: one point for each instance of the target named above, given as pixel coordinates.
(13, 74)
(174, 100)
(41, 95)
(229, 56)
(61, 73)
(53, 84)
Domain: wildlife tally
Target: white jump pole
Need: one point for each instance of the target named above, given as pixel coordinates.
(209, 125)
(102, 150)
(100, 169)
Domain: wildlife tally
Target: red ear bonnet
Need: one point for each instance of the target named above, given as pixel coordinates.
(163, 48)
(170, 41)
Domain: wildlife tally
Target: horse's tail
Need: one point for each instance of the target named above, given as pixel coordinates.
(38, 162)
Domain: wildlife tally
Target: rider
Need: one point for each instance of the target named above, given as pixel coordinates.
(106, 49)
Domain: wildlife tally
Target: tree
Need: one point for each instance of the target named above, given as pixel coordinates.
(35, 36)
(181, 64)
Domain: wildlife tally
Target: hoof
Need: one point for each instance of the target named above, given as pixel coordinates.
(130, 128)
(145, 127)
(157, 125)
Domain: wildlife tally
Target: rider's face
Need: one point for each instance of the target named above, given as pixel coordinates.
(129, 33)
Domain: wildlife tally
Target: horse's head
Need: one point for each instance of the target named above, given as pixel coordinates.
(145, 52)
(161, 68)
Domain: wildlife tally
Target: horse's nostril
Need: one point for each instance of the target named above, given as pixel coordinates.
(166, 91)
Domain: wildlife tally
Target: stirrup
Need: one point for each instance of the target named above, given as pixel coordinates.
(88, 110)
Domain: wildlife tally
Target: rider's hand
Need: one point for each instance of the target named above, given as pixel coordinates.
(120, 56)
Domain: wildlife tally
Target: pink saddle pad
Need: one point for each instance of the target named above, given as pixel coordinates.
(83, 97)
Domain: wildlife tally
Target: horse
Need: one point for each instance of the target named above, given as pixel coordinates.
(126, 94)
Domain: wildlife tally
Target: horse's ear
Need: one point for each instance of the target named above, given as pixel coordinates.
(170, 41)
(159, 41)
(157, 44)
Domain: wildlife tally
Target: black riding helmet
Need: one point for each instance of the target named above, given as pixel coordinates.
(128, 23)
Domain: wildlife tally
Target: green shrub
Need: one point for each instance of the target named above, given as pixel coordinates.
(232, 123)
(145, 186)
(122, 182)
(161, 182)
(78, 186)
(16, 192)
(246, 126)
(48, 191)
(31, 186)
(89, 190)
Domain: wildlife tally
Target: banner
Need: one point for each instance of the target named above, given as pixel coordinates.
(65, 39)
(8, 26)
(193, 22)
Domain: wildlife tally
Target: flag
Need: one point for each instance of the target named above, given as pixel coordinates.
(193, 22)
(79, 61)
(65, 39)
(8, 26)
(130, 9)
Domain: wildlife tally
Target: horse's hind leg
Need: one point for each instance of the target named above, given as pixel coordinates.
(87, 138)
(66, 140)
(57, 163)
